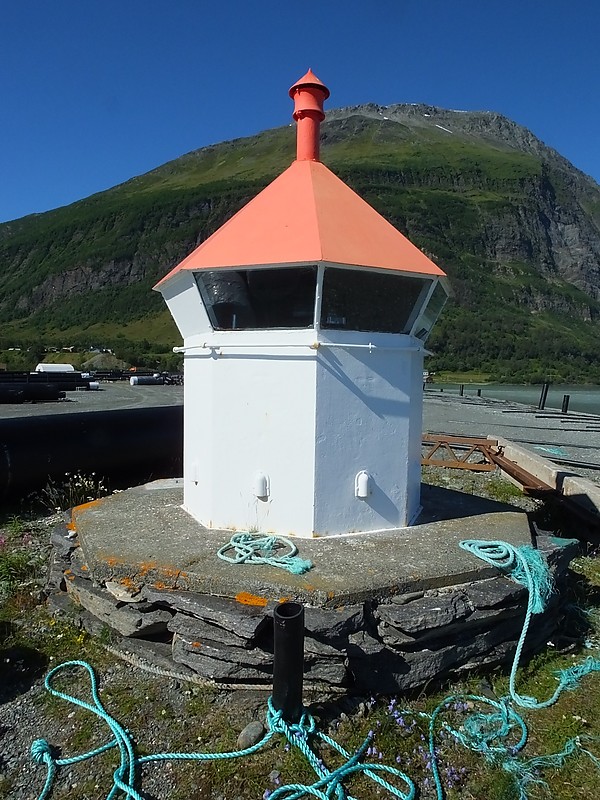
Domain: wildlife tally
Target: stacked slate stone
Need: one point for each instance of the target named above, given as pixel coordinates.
(383, 645)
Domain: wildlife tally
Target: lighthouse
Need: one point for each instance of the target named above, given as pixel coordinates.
(304, 319)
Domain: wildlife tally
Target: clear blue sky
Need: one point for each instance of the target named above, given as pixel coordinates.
(94, 92)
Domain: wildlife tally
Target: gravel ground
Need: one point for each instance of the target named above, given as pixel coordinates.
(110, 396)
(151, 706)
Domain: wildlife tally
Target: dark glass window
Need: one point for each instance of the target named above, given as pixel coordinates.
(434, 307)
(259, 298)
(364, 300)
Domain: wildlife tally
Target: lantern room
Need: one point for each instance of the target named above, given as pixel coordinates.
(304, 319)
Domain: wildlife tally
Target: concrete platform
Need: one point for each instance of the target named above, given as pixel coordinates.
(142, 537)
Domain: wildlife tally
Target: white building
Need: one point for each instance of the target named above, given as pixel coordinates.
(303, 319)
(44, 367)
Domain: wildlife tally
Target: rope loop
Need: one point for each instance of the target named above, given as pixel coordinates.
(258, 549)
(41, 752)
(488, 733)
(525, 565)
(329, 783)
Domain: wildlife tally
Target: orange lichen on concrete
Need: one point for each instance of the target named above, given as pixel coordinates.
(112, 561)
(160, 585)
(145, 567)
(86, 506)
(196, 644)
(247, 599)
(128, 583)
(170, 572)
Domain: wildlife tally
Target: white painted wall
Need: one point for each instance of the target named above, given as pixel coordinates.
(249, 409)
(185, 304)
(269, 402)
(369, 408)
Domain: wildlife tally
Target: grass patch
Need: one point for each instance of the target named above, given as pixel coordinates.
(72, 490)
(14, 568)
(472, 376)
(502, 490)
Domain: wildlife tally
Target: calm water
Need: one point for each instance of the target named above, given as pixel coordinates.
(585, 399)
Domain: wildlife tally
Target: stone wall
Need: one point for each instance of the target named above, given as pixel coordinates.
(386, 645)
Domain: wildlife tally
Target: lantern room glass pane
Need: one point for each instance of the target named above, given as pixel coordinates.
(365, 300)
(259, 298)
(434, 307)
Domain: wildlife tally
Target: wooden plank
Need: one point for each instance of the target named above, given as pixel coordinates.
(474, 467)
(528, 481)
(464, 440)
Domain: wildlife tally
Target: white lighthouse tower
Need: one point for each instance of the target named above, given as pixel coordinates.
(303, 319)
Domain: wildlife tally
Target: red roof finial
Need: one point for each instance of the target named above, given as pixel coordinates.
(308, 94)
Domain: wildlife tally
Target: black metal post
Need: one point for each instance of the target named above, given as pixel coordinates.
(565, 403)
(288, 661)
(478, 392)
(461, 391)
(544, 395)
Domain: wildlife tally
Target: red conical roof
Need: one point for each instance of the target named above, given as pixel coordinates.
(308, 215)
(310, 79)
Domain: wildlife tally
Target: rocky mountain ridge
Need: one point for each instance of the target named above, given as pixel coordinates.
(555, 228)
(514, 224)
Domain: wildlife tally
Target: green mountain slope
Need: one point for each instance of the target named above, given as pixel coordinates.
(516, 227)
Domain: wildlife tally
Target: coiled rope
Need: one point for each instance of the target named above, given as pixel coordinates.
(329, 783)
(488, 733)
(250, 549)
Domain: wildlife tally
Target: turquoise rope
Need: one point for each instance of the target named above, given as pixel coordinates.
(527, 567)
(249, 549)
(487, 733)
(329, 784)
(332, 782)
